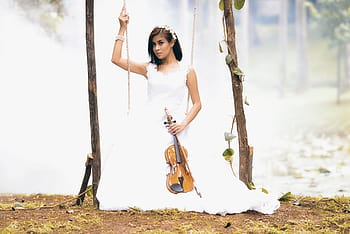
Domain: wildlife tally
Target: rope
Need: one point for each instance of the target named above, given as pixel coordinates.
(193, 30)
(127, 60)
(192, 45)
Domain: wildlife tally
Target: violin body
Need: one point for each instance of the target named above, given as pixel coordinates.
(179, 179)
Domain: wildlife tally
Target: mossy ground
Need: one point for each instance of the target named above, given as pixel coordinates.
(298, 215)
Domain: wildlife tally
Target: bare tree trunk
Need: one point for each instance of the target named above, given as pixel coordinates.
(347, 65)
(283, 41)
(94, 126)
(245, 157)
(301, 35)
(339, 73)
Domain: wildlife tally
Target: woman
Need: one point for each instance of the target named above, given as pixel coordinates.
(136, 178)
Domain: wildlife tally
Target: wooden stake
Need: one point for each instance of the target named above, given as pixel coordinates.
(88, 166)
(94, 126)
(245, 171)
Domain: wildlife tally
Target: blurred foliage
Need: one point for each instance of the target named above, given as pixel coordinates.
(333, 19)
(238, 4)
(47, 13)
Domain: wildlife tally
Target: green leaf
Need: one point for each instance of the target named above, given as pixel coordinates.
(238, 71)
(251, 186)
(228, 59)
(221, 5)
(228, 152)
(286, 197)
(238, 4)
(228, 158)
(220, 48)
(246, 101)
(313, 10)
(89, 193)
(229, 136)
(264, 190)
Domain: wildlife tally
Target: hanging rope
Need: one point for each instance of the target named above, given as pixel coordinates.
(127, 59)
(192, 51)
(193, 30)
(192, 45)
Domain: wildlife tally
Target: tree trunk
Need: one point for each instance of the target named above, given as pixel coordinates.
(339, 73)
(301, 34)
(283, 40)
(94, 126)
(347, 65)
(245, 157)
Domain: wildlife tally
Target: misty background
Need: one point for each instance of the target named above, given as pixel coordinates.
(297, 85)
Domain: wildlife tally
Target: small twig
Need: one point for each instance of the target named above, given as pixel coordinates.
(58, 204)
(233, 122)
(232, 169)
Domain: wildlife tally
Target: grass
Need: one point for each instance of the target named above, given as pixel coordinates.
(311, 215)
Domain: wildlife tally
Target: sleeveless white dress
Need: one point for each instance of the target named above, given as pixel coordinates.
(135, 173)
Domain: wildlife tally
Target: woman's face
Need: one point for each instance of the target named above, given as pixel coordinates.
(161, 47)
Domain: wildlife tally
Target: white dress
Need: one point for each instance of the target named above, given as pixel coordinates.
(135, 173)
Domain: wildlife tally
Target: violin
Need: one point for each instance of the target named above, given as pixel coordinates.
(179, 179)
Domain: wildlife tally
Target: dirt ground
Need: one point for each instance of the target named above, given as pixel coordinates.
(298, 215)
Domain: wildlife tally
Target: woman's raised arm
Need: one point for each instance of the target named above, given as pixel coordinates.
(138, 68)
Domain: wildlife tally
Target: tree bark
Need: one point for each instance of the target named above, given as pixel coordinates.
(94, 126)
(84, 185)
(245, 160)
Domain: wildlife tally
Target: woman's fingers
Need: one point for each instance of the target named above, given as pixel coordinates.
(123, 17)
(175, 128)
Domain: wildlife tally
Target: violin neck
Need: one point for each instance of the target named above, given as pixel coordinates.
(177, 149)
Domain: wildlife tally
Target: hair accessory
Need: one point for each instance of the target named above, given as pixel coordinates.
(168, 28)
(119, 37)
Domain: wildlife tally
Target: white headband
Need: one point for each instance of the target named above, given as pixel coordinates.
(167, 27)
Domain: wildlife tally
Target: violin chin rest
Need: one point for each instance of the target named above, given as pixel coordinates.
(177, 188)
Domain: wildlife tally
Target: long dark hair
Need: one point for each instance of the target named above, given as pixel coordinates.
(168, 36)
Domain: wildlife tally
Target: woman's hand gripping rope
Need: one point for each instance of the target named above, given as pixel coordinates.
(123, 18)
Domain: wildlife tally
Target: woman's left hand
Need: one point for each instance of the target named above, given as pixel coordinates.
(175, 128)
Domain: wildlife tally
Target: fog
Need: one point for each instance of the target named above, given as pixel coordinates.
(45, 131)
